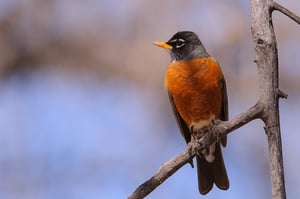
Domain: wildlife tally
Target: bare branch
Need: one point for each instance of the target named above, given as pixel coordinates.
(163, 173)
(219, 130)
(285, 11)
(267, 62)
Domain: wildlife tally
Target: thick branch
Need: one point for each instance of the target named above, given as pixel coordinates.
(285, 11)
(267, 62)
(219, 130)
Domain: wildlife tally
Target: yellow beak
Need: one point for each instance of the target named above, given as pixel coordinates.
(162, 45)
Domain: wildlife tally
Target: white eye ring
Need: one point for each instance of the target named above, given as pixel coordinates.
(180, 43)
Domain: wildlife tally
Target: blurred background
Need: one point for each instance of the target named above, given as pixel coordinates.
(84, 112)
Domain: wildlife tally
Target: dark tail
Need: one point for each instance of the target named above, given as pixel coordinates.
(210, 173)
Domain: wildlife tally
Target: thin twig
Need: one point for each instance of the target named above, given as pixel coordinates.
(285, 11)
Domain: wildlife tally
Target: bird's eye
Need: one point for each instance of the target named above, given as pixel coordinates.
(179, 43)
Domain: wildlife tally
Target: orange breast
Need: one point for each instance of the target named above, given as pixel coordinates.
(195, 87)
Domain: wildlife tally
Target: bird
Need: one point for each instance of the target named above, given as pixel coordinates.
(197, 92)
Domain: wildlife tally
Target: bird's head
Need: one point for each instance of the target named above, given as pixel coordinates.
(184, 45)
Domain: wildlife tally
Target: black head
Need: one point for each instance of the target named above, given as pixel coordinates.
(184, 45)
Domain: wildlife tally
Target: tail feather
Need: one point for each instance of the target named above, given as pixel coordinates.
(205, 175)
(210, 173)
(219, 170)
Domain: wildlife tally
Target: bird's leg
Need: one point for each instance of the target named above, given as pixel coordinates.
(198, 135)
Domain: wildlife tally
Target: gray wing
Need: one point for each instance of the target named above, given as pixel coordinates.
(224, 111)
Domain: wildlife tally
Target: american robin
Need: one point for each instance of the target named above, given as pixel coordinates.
(198, 96)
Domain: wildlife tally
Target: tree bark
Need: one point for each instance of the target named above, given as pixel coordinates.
(267, 62)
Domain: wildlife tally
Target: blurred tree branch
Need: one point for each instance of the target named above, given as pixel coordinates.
(267, 107)
(32, 36)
